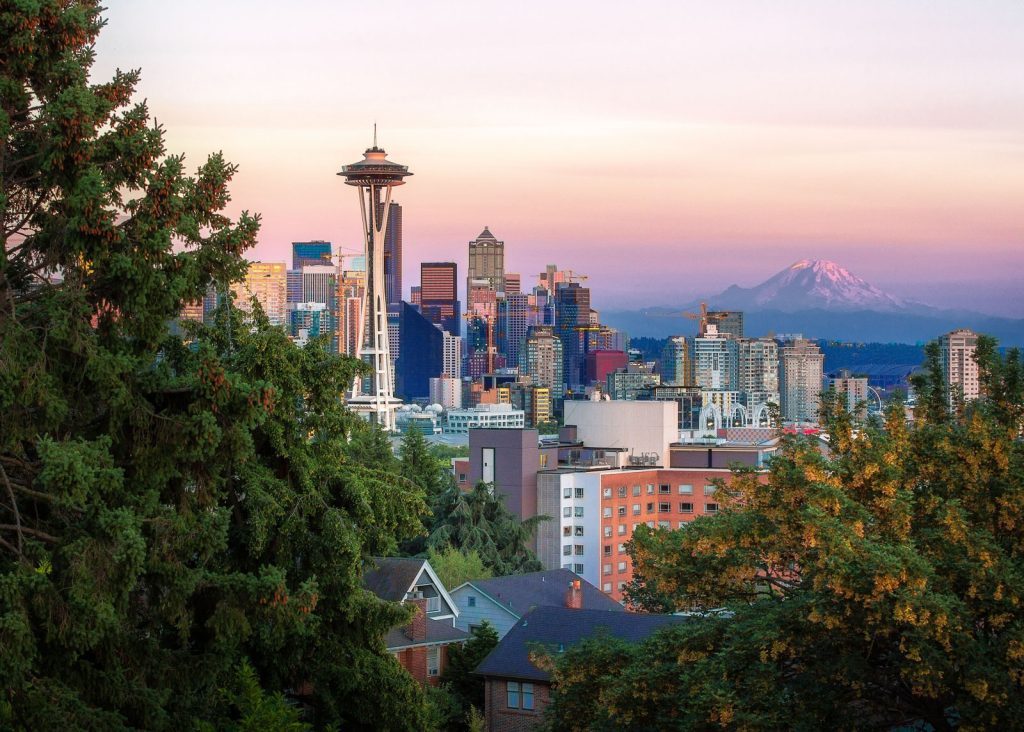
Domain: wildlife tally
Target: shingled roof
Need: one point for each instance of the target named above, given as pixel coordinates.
(519, 592)
(389, 578)
(558, 628)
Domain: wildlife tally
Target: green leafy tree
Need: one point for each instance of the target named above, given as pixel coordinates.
(465, 686)
(479, 521)
(880, 585)
(454, 566)
(169, 513)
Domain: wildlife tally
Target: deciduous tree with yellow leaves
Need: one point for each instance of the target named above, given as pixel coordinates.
(875, 584)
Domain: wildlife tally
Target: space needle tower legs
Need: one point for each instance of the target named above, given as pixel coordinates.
(375, 176)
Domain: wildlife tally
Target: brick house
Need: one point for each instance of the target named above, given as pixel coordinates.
(422, 645)
(516, 691)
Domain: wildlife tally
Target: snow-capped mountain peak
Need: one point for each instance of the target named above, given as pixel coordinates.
(812, 283)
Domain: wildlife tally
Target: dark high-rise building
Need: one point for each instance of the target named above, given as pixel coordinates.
(310, 254)
(393, 258)
(420, 354)
(439, 294)
(572, 313)
(730, 323)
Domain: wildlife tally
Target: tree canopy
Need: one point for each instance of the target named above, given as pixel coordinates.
(874, 584)
(176, 520)
(478, 521)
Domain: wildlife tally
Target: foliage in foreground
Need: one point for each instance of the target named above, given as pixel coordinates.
(168, 514)
(876, 587)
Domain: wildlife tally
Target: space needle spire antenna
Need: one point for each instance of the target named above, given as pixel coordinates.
(375, 176)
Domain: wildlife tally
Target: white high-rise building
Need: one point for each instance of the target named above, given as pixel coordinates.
(800, 374)
(446, 391)
(715, 360)
(958, 365)
(452, 363)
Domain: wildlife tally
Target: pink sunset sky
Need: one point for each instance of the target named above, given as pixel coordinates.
(667, 149)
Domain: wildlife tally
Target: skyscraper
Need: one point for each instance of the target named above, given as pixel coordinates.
(267, 282)
(715, 361)
(572, 313)
(758, 378)
(487, 261)
(730, 323)
(393, 258)
(421, 355)
(801, 369)
(320, 285)
(675, 362)
(310, 253)
(960, 370)
(439, 300)
(513, 283)
(542, 360)
(375, 176)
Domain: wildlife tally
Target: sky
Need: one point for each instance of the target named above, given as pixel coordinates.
(665, 149)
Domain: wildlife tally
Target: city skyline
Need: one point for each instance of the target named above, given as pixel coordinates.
(716, 145)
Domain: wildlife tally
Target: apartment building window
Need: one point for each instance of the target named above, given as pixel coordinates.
(709, 490)
(512, 694)
(607, 532)
(566, 531)
(579, 493)
(567, 492)
(650, 507)
(577, 531)
(606, 569)
(566, 511)
(622, 529)
(664, 524)
(577, 568)
(607, 550)
(606, 587)
(636, 509)
(664, 488)
(650, 524)
(650, 489)
(664, 507)
(686, 490)
(685, 508)
(636, 490)
(621, 585)
(433, 661)
(622, 510)
(622, 491)
(710, 508)
(607, 512)
(682, 524)
(607, 493)
(622, 548)
(622, 567)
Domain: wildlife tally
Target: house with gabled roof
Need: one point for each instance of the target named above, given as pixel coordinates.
(502, 601)
(422, 645)
(516, 689)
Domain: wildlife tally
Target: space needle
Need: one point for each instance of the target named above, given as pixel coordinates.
(375, 176)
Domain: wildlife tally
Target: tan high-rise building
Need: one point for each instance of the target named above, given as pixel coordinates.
(487, 261)
(958, 365)
(801, 369)
(351, 289)
(854, 390)
(268, 283)
(541, 359)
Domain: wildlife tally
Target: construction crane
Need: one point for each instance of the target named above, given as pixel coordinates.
(704, 318)
(341, 255)
(568, 275)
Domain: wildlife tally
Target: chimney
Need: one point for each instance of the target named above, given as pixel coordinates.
(574, 596)
(416, 630)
